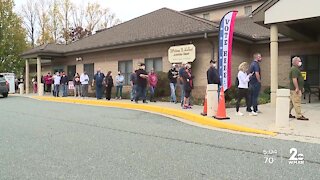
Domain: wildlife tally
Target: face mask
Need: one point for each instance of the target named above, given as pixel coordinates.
(118, 73)
(300, 64)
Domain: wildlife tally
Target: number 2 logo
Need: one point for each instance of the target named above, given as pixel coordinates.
(294, 155)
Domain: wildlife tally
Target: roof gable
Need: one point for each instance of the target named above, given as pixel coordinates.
(160, 24)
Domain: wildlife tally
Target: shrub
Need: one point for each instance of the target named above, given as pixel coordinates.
(231, 93)
(163, 88)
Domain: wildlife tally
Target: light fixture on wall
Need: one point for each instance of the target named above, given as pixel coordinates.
(79, 59)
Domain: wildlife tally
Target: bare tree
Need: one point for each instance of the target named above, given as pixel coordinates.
(78, 14)
(94, 14)
(79, 33)
(29, 15)
(55, 20)
(66, 12)
(61, 21)
(109, 20)
(44, 22)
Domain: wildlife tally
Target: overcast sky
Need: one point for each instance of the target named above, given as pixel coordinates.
(129, 9)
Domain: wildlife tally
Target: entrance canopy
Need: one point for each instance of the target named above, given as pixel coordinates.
(298, 20)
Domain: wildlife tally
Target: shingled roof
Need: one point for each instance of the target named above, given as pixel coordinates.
(158, 25)
(248, 28)
(53, 49)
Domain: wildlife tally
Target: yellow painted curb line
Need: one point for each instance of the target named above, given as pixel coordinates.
(162, 110)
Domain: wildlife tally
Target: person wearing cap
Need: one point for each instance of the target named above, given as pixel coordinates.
(142, 80)
(172, 76)
(212, 73)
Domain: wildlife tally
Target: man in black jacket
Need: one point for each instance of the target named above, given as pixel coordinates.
(142, 80)
(64, 84)
(172, 76)
(213, 74)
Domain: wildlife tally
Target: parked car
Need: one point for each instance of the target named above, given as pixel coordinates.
(4, 86)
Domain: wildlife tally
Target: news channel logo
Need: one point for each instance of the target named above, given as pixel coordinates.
(295, 157)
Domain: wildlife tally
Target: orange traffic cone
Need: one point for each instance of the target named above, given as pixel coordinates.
(205, 107)
(221, 113)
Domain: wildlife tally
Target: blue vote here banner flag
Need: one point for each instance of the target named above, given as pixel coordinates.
(225, 48)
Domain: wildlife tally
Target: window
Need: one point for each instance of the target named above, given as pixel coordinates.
(155, 63)
(247, 10)
(206, 16)
(57, 69)
(71, 72)
(89, 68)
(126, 69)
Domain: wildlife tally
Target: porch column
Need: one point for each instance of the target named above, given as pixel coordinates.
(39, 74)
(216, 50)
(27, 76)
(274, 62)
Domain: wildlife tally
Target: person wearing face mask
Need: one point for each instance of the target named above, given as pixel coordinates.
(296, 89)
(119, 85)
(56, 82)
(64, 84)
(172, 76)
(142, 80)
(153, 80)
(212, 73)
(109, 85)
(188, 85)
(255, 83)
(84, 79)
(98, 80)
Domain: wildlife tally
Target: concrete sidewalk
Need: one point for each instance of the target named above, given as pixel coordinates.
(304, 131)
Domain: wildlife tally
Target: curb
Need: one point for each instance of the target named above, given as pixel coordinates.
(161, 110)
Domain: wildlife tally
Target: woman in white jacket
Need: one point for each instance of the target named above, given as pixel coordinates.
(119, 85)
(243, 91)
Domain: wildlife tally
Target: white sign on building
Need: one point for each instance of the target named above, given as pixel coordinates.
(184, 53)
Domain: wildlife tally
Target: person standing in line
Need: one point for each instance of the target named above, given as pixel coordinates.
(84, 80)
(34, 83)
(109, 85)
(181, 81)
(64, 84)
(153, 80)
(98, 79)
(172, 76)
(243, 92)
(188, 85)
(48, 82)
(76, 83)
(142, 80)
(255, 83)
(56, 82)
(213, 74)
(119, 85)
(296, 89)
(133, 83)
(20, 80)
